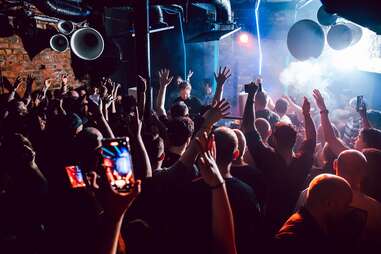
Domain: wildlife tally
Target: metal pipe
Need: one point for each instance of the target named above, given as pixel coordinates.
(142, 35)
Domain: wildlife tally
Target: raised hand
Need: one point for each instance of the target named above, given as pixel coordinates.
(134, 124)
(218, 111)
(64, 79)
(207, 163)
(29, 80)
(47, 83)
(319, 100)
(164, 78)
(144, 83)
(190, 74)
(306, 107)
(16, 84)
(114, 203)
(222, 76)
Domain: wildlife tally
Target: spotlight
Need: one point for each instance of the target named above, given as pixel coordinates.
(244, 38)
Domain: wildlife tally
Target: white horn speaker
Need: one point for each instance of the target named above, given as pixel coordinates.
(59, 43)
(65, 27)
(87, 43)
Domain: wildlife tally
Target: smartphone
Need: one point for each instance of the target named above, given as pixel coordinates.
(75, 176)
(251, 88)
(117, 163)
(360, 103)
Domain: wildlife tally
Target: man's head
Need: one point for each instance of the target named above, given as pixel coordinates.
(351, 165)
(241, 143)
(284, 136)
(260, 101)
(281, 106)
(368, 138)
(226, 146)
(180, 131)
(328, 197)
(185, 89)
(88, 141)
(264, 128)
(179, 109)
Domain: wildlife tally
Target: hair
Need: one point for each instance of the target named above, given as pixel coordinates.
(180, 129)
(281, 106)
(179, 109)
(372, 138)
(241, 143)
(183, 84)
(263, 127)
(285, 135)
(226, 144)
(261, 99)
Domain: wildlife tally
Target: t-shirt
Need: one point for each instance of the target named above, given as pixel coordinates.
(193, 104)
(170, 159)
(284, 182)
(247, 220)
(252, 177)
(302, 234)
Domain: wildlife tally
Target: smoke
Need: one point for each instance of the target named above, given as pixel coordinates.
(320, 73)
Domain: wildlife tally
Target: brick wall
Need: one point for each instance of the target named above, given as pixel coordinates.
(14, 61)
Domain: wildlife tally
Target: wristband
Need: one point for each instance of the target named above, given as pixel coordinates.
(217, 185)
(324, 111)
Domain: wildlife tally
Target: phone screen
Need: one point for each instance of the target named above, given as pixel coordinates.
(116, 160)
(360, 103)
(75, 176)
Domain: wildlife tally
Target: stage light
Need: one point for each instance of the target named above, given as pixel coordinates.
(244, 38)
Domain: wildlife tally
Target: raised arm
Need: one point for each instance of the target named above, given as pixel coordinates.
(364, 117)
(142, 168)
(222, 217)
(98, 114)
(221, 78)
(164, 81)
(213, 115)
(248, 121)
(27, 98)
(334, 143)
(309, 125)
(298, 110)
(13, 88)
(142, 96)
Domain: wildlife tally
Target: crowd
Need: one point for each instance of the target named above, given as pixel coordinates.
(286, 180)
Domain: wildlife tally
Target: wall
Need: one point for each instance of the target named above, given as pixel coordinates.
(14, 61)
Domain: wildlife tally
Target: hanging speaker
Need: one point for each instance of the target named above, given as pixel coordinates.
(305, 40)
(87, 43)
(59, 43)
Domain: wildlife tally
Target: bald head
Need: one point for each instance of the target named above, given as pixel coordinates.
(351, 165)
(226, 145)
(329, 194)
(241, 143)
(264, 128)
